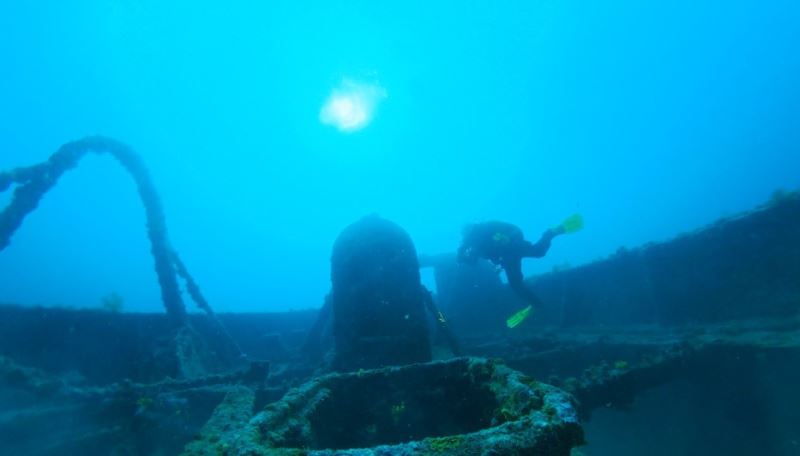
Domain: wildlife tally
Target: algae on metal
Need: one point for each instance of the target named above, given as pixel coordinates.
(460, 406)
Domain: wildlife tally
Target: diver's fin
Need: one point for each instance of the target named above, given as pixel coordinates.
(518, 317)
(572, 224)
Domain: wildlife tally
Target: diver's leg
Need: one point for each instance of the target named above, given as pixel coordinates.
(516, 282)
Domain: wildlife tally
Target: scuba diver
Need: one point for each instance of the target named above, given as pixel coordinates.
(504, 245)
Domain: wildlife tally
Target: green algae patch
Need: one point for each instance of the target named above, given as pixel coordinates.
(444, 445)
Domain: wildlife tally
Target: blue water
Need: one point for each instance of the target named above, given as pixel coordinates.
(648, 119)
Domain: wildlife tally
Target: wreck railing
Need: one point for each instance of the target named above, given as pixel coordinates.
(33, 182)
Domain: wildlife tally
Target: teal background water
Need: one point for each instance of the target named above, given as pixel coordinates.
(649, 119)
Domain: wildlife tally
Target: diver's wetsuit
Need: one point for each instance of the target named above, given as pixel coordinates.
(504, 244)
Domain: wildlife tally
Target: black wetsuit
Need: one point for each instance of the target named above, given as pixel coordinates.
(505, 245)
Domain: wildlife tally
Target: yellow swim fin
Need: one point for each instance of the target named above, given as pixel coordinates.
(573, 223)
(518, 317)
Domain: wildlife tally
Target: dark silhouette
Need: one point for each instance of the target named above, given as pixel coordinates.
(378, 310)
(504, 244)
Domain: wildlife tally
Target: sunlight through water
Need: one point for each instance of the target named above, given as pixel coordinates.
(351, 106)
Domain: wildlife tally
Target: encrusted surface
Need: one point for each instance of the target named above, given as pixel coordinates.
(461, 406)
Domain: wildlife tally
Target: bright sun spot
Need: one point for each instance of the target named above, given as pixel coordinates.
(351, 106)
